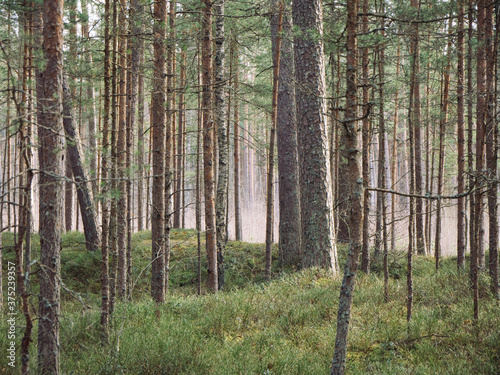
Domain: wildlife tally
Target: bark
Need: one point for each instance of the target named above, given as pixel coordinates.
(381, 230)
(237, 209)
(492, 147)
(276, 41)
(394, 155)
(122, 151)
(223, 147)
(90, 111)
(198, 173)
(158, 154)
(356, 194)
(68, 172)
(318, 241)
(461, 138)
(85, 199)
(417, 125)
(208, 146)
(180, 146)
(288, 163)
(442, 133)
(104, 176)
(481, 107)
(140, 143)
(49, 90)
(365, 252)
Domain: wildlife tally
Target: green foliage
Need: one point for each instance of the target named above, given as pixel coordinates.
(286, 326)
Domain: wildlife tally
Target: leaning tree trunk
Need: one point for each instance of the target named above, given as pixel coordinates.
(85, 199)
(51, 187)
(356, 194)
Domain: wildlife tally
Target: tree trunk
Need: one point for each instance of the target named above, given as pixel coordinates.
(365, 252)
(492, 146)
(85, 199)
(356, 194)
(222, 128)
(104, 176)
(318, 241)
(158, 153)
(122, 151)
(208, 146)
(461, 138)
(288, 167)
(51, 188)
(442, 133)
(237, 209)
(481, 108)
(270, 169)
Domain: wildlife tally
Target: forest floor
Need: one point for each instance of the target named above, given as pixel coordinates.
(286, 326)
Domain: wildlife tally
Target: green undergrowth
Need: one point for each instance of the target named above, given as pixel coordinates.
(286, 326)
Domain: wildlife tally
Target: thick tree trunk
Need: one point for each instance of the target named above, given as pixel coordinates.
(318, 241)
(356, 194)
(158, 154)
(51, 188)
(208, 147)
(288, 163)
(85, 198)
(222, 129)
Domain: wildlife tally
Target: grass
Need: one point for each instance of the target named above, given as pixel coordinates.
(286, 326)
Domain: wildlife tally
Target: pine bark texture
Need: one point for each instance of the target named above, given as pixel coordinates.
(460, 138)
(158, 152)
(208, 147)
(356, 193)
(318, 241)
(223, 146)
(288, 163)
(51, 188)
(84, 193)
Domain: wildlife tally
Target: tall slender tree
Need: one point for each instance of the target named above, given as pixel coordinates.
(208, 146)
(49, 90)
(158, 153)
(356, 193)
(222, 144)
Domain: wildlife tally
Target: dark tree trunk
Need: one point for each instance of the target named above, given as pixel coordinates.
(461, 138)
(365, 252)
(208, 146)
(288, 163)
(237, 209)
(50, 129)
(158, 154)
(270, 165)
(222, 129)
(356, 194)
(318, 241)
(85, 199)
